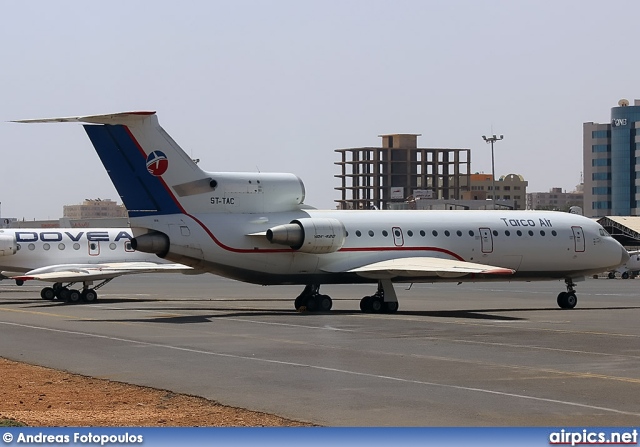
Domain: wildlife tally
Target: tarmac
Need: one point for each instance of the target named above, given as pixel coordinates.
(473, 354)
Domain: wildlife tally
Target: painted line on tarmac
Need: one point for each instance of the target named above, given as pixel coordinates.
(328, 369)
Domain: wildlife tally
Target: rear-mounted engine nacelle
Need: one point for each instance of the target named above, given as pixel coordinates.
(155, 242)
(310, 235)
(8, 245)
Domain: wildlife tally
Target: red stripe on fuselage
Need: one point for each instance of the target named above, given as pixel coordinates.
(276, 250)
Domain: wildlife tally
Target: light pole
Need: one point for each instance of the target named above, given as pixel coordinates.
(492, 140)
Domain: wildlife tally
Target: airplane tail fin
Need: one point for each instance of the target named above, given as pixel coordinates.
(143, 161)
(154, 176)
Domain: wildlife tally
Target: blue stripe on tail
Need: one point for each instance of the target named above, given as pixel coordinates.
(142, 193)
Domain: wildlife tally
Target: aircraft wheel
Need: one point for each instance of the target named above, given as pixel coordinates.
(73, 296)
(625, 275)
(572, 300)
(365, 304)
(611, 275)
(376, 304)
(391, 307)
(89, 295)
(47, 294)
(62, 293)
(567, 300)
(312, 303)
(325, 303)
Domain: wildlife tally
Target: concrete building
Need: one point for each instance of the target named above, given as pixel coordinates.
(511, 190)
(379, 176)
(95, 209)
(555, 199)
(611, 163)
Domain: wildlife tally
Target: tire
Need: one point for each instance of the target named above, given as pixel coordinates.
(611, 275)
(89, 296)
(325, 303)
(47, 294)
(567, 300)
(365, 304)
(73, 296)
(562, 300)
(391, 307)
(312, 304)
(625, 275)
(62, 294)
(571, 301)
(376, 304)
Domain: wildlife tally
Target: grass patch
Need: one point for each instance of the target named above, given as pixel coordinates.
(4, 422)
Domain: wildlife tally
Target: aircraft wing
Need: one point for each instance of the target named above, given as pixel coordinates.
(427, 267)
(90, 272)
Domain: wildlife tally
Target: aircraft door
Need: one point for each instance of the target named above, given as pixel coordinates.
(94, 248)
(487, 240)
(578, 238)
(398, 238)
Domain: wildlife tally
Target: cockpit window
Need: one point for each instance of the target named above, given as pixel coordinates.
(604, 233)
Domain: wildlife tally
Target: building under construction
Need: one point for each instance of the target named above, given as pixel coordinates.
(374, 177)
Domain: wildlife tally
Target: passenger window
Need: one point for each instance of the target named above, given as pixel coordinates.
(471, 233)
(507, 233)
(371, 233)
(530, 233)
(385, 233)
(542, 233)
(459, 233)
(554, 232)
(446, 233)
(76, 246)
(61, 246)
(358, 233)
(410, 233)
(495, 232)
(519, 233)
(434, 232)
(46, 246)
(422, 233)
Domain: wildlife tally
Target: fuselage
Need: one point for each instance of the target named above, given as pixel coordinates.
(25, 249)
(535, 244)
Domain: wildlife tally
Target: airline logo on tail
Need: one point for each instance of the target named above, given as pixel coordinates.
(157, 163)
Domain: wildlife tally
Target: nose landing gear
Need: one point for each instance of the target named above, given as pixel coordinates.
(568, 299)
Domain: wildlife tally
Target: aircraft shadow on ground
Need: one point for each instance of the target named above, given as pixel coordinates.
(474, 314)
(495, 314)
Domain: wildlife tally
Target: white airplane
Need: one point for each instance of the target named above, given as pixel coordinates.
(632, 265)
(254, 227)
(71, 255)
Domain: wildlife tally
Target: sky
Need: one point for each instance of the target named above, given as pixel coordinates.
(278, 85)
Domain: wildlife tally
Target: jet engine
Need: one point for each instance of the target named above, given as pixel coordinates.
(8, 245)
(155, 242)
(310, 235)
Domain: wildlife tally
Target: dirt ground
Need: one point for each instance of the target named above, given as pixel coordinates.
(38, 396)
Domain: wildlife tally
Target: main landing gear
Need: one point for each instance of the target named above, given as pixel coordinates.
(72, 296)
(568, 299)
(311, 300)
(383, 301)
